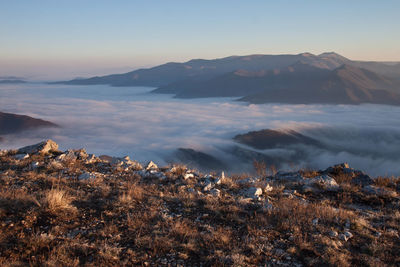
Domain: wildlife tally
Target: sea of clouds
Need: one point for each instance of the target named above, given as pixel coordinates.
(120, 121)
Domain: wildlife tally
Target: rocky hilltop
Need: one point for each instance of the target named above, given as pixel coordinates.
(63, 208)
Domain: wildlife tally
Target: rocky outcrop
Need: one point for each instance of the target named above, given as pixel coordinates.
(40, 148)
(251, 188)
(357, 177)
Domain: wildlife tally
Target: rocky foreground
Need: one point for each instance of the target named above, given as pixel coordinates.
(72, 208)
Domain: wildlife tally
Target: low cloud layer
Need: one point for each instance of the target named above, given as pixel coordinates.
(131, 121)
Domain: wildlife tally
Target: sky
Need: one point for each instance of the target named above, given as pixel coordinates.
(47, 39)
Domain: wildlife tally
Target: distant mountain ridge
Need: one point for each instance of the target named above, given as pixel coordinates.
(327, 78)
(202, 69)
(11, 81)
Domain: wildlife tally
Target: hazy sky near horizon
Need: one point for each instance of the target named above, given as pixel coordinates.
(49, 39)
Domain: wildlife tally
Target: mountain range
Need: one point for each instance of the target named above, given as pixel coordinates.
(305, 78)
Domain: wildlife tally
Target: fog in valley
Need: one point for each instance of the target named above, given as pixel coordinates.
(121, 121)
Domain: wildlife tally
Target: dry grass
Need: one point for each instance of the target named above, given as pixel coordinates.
(58, 201)
(123, 219)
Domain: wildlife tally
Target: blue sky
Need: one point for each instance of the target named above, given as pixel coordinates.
(52, 39)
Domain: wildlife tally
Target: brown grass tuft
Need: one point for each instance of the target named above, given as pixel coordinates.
(57, 200)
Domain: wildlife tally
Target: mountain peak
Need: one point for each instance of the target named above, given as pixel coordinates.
(307, 54)
(333, 55)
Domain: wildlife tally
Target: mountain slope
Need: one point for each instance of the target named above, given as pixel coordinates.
(268, 139)
(13, 123)
(201, 69)
(242, 82)
(344, 85)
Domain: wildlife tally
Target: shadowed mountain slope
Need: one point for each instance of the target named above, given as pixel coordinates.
(13, 123)
(344, 85)
(268, 139)
(299, 83)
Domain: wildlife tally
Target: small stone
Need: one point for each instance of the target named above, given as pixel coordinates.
(91, 159)
(333, 233)
(253, 192)
(208, 187)
(21, 156)
(348, 234)
(34, 165)
(215, 192)
(151, 166)
(343, 237)
(268, 188)
(188, 175)
(218, 181)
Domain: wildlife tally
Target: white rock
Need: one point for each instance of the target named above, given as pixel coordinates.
(40, 148)
(208, 177)
(268, 188)
(91, 159)
(343, 237)
(34, 165)
(80, 153)
(253, 192)
(67, 156)
(324, 181)
(333, 233)
(151, 174)
(348, 234)
(126, 163)
(151, 166)
(208, 186)
(188, 176)
(21, 156)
